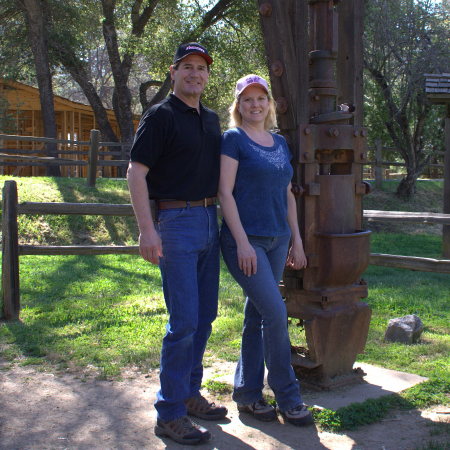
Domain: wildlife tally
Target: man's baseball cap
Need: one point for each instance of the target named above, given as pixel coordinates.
(192, 48)
(250, 80)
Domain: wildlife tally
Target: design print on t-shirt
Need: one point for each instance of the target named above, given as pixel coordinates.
(276, 158)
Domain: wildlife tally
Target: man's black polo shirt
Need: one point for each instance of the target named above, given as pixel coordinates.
(181, 150)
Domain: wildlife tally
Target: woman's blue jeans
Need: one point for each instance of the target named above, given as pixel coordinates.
(190, 274)
(265, 335)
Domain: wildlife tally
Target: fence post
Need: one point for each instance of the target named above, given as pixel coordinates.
(446, 209)
(93, 157)
(122, 167)
(10, 252)
(2, 170)
(378, 165)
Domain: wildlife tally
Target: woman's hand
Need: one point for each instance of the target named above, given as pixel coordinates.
(296, 257)
(247, 258)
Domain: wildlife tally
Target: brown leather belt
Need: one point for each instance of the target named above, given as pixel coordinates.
(175, 204)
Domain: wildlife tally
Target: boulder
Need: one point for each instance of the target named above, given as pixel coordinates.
(407, 329)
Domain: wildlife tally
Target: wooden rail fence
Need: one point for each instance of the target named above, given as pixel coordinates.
(20, 158)
(11, 250)
(378, 163)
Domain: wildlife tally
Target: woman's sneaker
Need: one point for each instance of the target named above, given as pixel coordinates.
(299, 416)
(261, 410)
(182, 430)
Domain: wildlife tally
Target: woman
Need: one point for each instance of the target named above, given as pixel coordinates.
(260, 220)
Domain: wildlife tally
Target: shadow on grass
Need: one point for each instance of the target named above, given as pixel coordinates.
(70, 191)
(79, 297)
(77, 275)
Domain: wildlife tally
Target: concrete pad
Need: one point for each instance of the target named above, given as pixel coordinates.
(376, 383)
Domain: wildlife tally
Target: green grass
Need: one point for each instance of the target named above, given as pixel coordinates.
(371, 410)
(434, 446)
(217, 387)
(74, 229)
(429, 198)
(358, 414)
(103, 313)
(85, 311)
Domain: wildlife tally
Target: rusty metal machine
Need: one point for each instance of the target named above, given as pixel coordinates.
(329, 156)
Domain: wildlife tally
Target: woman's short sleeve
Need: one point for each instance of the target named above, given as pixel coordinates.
(230, 144)
(285, 146)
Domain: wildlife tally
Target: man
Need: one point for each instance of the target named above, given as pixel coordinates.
(175, 162)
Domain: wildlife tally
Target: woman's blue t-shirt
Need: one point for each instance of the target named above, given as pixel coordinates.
(262, 178)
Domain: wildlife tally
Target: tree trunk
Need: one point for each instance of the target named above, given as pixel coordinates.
(39, 46)
(80, 75)
(407, 187)
(409, 144)
(122, 96)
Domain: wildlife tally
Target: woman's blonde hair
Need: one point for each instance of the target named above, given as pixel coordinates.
(236, 117)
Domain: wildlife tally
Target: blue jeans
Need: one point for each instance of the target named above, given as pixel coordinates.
(190, 274)
(265, 335)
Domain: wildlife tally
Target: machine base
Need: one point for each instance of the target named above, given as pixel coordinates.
(328, 384)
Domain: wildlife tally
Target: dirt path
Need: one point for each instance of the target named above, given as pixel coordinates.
(43, 411)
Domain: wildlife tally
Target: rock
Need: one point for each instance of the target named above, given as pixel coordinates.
(407, 329)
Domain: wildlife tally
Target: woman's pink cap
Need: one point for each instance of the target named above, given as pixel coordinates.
(250, 80)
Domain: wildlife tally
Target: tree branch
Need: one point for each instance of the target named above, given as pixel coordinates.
(139, 22)
(162, 91)
(216, 13)
(143, 88)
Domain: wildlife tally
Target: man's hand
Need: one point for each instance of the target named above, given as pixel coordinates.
(150, 246)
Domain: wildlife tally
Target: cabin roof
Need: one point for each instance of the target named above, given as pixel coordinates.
(437, 87)
(30, 101)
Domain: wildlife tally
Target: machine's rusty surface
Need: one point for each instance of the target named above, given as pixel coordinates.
(326, 295)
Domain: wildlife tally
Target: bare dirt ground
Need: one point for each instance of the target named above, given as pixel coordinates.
(40, 410)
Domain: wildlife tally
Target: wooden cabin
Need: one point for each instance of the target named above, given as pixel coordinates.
(74, 122)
